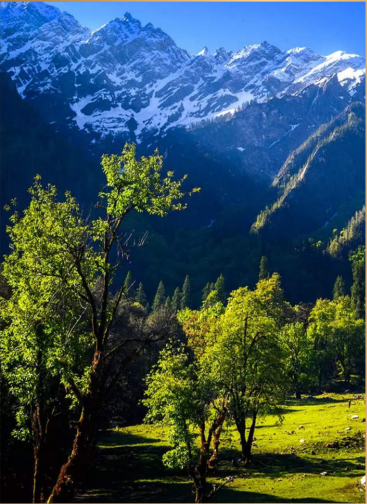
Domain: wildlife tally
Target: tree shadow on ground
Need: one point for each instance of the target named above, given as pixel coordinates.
(118, 439)
(129, 468)
(275, 465)
(314, 400)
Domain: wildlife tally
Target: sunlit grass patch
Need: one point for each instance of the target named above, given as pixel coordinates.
(284, 469)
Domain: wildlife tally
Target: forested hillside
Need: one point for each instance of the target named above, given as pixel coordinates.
(182, 270)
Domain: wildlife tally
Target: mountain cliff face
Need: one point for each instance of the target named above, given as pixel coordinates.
(132, 80)
(324, 174)
(256, 129)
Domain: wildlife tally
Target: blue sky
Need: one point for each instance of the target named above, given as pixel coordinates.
(325, 27)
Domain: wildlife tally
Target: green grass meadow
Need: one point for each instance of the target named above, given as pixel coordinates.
(288, 459)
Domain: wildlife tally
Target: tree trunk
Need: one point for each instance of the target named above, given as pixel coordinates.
(217, 430)
(243, 443)
(213, 461)
(250, 439)
(38, 474)
(298, 394)
(38, 431)
(200, 473)
(71, 471)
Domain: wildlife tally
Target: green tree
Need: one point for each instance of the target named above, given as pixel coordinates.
(206, 291)
(55, 248)
(263, 270)
(140, 296)
(183, 399)
(160, 297)
(176, 300)
(168, 303)
(219, 287)
(199, 327)
(186, 294)
(42, 340)
(320, 334)
(339, 288)
(348, 338)
(358, 287)
(248, 356)
(128, 285)
(298, 363)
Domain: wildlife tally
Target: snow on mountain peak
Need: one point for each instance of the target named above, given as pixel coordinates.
(203, 52)
(30, 9)
(124, 73)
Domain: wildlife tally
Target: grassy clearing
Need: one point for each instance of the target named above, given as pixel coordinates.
(129, 463)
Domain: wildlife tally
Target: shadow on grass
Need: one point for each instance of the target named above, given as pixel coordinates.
(273, 465)
(116, 439)
(129, 469)
(228, 495)
(312, 401)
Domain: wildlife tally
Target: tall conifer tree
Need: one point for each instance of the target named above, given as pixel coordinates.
(219, 287)
(339, 288)
(186, 294)
(128, 285)
(264, 271)
(176, 300)
(140, 296)
(160, 297)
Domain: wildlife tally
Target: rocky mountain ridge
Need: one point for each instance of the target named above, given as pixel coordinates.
(134, 81)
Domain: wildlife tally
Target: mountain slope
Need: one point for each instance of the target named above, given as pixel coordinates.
(29, 146)
(130, 80)
(332, 174)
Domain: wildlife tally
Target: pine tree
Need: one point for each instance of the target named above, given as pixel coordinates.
(219, 287)
(206, 291)
(140, 296)
(357, 291)
(168, 303)
(264, 272)
(339, 288)
(129, 281)
(176, 300)
(159, 298)
(186, 294)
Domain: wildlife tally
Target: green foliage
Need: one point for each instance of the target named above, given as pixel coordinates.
(137, 184)
(140, 296)
(186, 294)
(339, 288)
(159, 298)
(44, 338)
(298, 358)
(173, 399)
(206, 290)
(358, 287)
(354, 231)
(128, 285)
(301, 184)
(348, 338)
(336, 335)
(220, 288)
(199, 326)
(60, 274)
(263, 270)
(247, 351)
(176, 300)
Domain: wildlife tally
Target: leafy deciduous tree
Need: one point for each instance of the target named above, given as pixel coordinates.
(64, 253)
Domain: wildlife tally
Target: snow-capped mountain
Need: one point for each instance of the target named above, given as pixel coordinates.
(125, 78)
